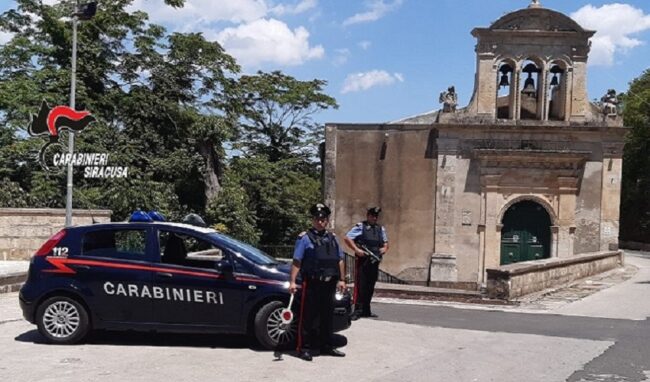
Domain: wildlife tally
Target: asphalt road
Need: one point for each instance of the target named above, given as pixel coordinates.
(604, 337)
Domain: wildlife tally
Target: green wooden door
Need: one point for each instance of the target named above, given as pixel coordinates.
(525, 234)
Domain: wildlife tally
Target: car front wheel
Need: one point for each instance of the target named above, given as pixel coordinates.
(62, 320)
(270, 331)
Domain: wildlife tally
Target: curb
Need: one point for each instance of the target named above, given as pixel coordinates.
(12, 282)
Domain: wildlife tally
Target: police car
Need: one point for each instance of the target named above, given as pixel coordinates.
(152, 275)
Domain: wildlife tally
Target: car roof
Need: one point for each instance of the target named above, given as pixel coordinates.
(114, 225)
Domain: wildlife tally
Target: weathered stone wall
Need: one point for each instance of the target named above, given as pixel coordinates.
(24, 230)
(391, 169)
(515, 280)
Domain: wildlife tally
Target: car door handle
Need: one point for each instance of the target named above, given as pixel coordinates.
(164, 274)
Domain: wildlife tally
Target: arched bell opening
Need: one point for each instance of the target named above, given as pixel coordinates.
(530, 98)
(506, 85)
(557, 91)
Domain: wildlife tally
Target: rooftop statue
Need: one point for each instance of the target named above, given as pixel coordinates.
(449, 100)
(609, 103)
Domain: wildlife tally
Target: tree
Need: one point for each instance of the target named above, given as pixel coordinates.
(635, 200)
(279, 194)
(160, 101)
(231, 212)
(277, 115)
(166, 106)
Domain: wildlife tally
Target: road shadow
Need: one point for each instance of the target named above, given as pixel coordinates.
(643, 282)
(132, 338)
(212, 341)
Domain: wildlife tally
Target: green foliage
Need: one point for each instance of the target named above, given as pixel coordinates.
(277, 114)
(230, 212)
(11, 195)
(156, 98)
(280, 195)
(635, 200)
(167, 105)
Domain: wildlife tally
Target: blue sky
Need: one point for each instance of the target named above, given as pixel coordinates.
(388, 59)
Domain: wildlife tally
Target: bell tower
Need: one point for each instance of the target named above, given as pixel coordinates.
(532, 65)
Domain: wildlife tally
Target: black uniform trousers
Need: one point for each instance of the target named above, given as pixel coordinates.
(316, 313)
(366, 278)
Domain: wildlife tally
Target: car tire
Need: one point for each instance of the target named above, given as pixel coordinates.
(270, 332)
(62, 320)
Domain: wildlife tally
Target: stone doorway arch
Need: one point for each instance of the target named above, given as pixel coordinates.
(526, 232)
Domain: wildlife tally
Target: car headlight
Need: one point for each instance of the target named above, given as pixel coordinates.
(338, 296)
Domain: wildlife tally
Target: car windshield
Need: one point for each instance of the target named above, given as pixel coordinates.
(251, 253)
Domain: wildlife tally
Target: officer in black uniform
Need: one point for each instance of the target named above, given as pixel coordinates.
(371, 236)
(320, 261)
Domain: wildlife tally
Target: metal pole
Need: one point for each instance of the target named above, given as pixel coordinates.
(73, 85)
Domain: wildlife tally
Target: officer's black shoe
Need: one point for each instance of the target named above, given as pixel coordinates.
(305, 355)
(332, 351)
(369, 315)
(355, 315)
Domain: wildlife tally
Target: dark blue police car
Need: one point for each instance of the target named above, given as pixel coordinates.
(159, 276)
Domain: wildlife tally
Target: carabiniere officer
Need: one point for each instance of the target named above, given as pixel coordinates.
(320, 261)
(371, 235)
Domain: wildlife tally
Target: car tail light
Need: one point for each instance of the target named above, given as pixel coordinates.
(50, 243)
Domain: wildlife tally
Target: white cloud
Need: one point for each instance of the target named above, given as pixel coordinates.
(376, 10)
(614, 25)
(301, 7)
(255, 38)
(5, 37)
(363, 81)
(269, 40)
(365, 44)
(341, 57)
(201, 12)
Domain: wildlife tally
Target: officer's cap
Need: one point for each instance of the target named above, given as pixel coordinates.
(320, 211)
(194, 219)
(375, 211)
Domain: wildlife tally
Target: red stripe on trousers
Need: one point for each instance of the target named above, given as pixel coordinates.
(357, 263)
(302, 310)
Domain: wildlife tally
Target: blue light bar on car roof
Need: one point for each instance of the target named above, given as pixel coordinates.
(156, 216)
(140, 217)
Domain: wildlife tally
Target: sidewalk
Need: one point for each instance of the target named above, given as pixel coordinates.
(12, 275)
(617, 294)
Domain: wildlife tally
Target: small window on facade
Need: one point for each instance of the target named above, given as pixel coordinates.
(123, 244)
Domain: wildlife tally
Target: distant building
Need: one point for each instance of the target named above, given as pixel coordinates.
(530, 169)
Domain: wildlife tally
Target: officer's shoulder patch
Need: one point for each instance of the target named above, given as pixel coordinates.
(359, 224)
(333, 234)
(301, 234)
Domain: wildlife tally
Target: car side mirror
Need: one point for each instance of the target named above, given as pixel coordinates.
(224, 266)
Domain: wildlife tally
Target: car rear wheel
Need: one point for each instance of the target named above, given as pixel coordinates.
(270, 331)
(62, 320)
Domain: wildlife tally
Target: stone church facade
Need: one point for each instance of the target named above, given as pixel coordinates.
(529, 170)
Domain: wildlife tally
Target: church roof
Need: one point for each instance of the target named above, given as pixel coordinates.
(536, 18)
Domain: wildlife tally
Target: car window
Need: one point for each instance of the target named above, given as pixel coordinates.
(123, 244)
(187, 250)
(251, 253)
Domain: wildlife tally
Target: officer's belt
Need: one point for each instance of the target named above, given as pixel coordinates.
(320, 278)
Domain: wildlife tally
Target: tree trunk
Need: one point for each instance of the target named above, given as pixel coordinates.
(213, 170)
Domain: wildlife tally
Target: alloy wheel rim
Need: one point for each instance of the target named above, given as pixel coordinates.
(279, 331)
(61, 319)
